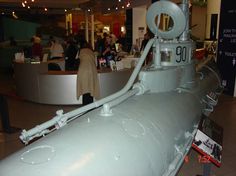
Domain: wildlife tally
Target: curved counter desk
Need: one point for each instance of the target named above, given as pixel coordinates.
(35, 83)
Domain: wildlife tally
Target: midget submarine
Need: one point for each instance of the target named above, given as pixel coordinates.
(145, 129)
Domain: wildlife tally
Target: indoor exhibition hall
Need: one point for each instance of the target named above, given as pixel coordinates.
(117, 88)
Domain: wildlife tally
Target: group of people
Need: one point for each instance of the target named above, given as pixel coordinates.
(67, 49)
(79, 55)
(109, 46)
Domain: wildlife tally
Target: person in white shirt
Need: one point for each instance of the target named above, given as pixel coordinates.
(56, 50)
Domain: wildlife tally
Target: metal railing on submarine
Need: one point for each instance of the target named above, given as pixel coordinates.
(62, 119)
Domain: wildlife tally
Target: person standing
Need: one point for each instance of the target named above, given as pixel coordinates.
(110, 51)
(56, 50)
(87, 78)
(145, 41)
(70, 55)
(37, 49)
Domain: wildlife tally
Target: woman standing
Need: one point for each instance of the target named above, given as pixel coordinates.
(87, 78)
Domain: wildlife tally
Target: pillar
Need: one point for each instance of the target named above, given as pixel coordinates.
(212, 24)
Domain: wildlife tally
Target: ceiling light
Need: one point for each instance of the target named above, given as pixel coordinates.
(123, 7)
(116, 8)
(77, 8)
(109, 9)
(32, 0)
(23, 4)
(65, 10)
(45, 9)
(89, 10)
(14, 15)
(28, 7)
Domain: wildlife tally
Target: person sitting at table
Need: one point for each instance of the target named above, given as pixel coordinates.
(56, 50)
(87, 78)
(110, 51)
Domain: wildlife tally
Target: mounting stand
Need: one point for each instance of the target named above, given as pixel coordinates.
(4, 114)
(208, 142)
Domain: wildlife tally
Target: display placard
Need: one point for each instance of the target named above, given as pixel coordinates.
(208, 140)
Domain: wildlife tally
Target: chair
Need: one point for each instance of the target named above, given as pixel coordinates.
(54, 67)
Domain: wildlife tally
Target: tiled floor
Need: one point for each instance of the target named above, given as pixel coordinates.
(25, 115)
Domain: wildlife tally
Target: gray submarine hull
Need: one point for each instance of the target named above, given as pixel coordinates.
(147, 135)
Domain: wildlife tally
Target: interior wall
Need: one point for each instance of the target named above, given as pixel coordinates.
(213, 7)
(20, 30)
(199, 19)
(100, 21)
(139, 21)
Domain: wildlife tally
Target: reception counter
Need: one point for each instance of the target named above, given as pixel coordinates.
(35, 83)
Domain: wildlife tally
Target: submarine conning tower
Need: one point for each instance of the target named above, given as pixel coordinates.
(172, 65)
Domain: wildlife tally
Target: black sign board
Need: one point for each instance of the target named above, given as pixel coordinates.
(226, 53)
